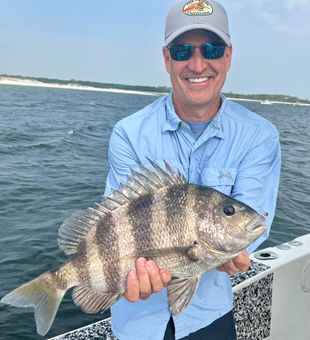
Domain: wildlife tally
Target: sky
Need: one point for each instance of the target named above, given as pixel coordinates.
(121, 42)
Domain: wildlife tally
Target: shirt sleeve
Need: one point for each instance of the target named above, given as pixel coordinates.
(257, 181)
(122, 158)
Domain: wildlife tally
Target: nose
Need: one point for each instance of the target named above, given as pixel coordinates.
(197, 61)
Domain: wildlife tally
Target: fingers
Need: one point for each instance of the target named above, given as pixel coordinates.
(165, 277)
(147, 279)
(154, 276)
(241, 263)
(228, 268)
(132, 292)
(144, 280)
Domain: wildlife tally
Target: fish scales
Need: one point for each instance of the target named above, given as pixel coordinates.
(186, 228)
(155, 224)
(140, 213)
(106, 234)
(151, 223)
(178, 208)
(81, 262)
(154, 221)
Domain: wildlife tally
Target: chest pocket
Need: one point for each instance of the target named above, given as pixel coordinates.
(221, 179)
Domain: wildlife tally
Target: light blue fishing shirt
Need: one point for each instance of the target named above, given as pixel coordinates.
(238, 154)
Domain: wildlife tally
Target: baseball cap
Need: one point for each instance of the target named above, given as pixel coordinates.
(187, 15)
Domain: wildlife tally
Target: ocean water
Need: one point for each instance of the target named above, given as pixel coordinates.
(53, 161)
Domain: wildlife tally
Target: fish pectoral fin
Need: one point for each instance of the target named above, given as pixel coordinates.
(180, 293)
(195, 252)
(92, 301)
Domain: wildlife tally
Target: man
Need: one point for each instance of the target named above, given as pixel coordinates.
(213, 142)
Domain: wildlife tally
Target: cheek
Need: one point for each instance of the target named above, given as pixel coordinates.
(168, 66)
(175, 71)
(166, 59)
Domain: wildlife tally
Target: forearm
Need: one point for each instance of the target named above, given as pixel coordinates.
(257, 182)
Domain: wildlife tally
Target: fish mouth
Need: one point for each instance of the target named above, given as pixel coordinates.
(257, 225)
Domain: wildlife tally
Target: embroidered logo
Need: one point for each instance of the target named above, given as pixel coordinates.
(197, 7)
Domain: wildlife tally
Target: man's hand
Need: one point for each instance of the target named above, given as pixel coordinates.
(146, 280)
(241, 263)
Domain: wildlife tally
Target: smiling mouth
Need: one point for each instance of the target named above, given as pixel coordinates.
(198, 80)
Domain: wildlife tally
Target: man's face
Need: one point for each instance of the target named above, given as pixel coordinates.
(197, 82)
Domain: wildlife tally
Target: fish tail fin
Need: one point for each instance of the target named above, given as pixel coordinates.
(42, 296)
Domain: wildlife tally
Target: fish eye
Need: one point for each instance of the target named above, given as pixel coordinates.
(229, 210)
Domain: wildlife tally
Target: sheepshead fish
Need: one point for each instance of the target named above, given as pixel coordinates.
(186, 228)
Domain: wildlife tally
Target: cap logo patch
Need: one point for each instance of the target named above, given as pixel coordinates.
(197, 7)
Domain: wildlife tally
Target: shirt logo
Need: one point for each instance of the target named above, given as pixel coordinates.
(197, 7)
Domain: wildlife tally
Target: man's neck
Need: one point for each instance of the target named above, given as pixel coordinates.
(197, 113)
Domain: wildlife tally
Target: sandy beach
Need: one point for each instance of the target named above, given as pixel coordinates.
(36, 83)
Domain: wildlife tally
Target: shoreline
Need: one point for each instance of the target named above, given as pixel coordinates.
(35, 83)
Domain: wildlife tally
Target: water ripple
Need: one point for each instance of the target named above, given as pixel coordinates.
(53, 147)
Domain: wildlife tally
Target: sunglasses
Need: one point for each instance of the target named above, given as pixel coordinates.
(184, 52)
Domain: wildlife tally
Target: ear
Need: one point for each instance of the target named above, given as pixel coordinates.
(228, 57)
(167, 59)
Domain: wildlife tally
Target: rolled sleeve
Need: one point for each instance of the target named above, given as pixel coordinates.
(257, 181)
(122, 158)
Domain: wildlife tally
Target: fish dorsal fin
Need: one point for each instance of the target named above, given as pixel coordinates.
(180, 293)
(75, 228)
(92, 301)
(168, 177)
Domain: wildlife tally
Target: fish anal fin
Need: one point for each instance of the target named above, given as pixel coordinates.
(92, 301)
(180, 293)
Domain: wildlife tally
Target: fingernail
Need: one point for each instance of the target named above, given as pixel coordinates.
(163, 272)
(141, 261)
(133, 275)
(151, 265)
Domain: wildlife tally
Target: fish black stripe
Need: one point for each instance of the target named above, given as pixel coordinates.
(107, 239)
(140, 218)
(80, 262)
(176, 204)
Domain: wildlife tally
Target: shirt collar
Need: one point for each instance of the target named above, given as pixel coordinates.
(217, 121)
(173, 120)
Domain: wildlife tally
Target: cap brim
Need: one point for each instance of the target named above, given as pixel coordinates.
(184, 29)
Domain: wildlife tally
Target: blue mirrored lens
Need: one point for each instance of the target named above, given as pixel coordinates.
(181, 52)
(185, 51)
(211, 51)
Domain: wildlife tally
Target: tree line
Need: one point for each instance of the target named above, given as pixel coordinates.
(156, 89)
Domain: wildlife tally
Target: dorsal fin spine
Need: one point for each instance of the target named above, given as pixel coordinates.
(152, 176)
(165, 177)
(136, 186)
